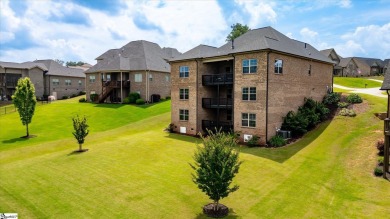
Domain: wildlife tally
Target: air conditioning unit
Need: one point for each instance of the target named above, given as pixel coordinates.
(247, 137)
(284, 134)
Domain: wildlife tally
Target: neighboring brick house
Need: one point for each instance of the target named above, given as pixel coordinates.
(386, 69)
(369, 66)
(48, 77)
(10, 72)
(60, 81)
(331, 54)
(248, 85)
(349, 68)
(139, 66)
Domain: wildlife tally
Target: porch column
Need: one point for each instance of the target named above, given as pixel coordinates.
(121, 89)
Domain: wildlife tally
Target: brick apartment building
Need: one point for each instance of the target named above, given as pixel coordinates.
(247, 85)
(139, 66)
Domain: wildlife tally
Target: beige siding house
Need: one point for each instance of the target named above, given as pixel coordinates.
(247, 86)
(139, 66)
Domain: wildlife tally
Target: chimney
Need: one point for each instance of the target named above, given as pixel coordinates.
(305, 45)
(232, 43)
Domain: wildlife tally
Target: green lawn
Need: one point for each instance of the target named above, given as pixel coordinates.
(135, 170)
(356, 82)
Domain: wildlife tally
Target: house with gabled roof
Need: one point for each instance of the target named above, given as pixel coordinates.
(349, 68)
(139, 66)
(331, 54)
(369, 66)
(247, 85)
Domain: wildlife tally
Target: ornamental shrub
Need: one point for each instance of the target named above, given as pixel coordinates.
(253, 141)
(354, 98)
(297, 123)
(126, 100)
(277, 141)
(93, 97)
(378, 171)
(380, 145)
(140, 102)
(82, 100)
(347, 112)
(332, 98)
(133, 97)
(342, 104)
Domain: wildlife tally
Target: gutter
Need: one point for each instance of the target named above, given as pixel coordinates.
(266, 99)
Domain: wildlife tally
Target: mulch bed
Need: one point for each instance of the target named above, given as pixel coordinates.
(221, 212)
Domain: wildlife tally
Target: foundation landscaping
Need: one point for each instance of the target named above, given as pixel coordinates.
(135, 169)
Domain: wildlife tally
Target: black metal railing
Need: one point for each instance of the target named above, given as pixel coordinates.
(217, 79)
(217, 125)
(215, 103)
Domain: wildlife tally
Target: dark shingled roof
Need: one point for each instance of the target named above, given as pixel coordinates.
(344, 62)
(257, 39)
(371, 61)
(56, 69)
(134, 56)
(24, 65)
(386, 82)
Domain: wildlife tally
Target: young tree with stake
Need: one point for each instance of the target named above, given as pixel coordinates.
(80, 130)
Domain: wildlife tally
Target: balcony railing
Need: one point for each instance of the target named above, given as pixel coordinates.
(116, 84)
(215, 103)
(217, 79)
(217, 125)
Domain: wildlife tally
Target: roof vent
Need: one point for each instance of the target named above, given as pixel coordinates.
(305, 45)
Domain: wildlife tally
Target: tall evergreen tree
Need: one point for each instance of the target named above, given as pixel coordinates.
(24, 100)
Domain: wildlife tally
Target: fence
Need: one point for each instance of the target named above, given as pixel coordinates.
(11, 108)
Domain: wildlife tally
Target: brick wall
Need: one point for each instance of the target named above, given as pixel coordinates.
(93, 86)
(65, 90)
(36, 76)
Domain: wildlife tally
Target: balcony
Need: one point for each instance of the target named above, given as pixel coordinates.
(217, 125)
(217, 103)
(116, 84)
(217, 79)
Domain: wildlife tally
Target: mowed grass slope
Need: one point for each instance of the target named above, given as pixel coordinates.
(139, 171)
(357, 82)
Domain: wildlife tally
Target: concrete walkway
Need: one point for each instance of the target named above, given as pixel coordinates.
(371, 91)
(376, 80)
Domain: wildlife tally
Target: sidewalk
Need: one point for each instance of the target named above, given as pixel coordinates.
(371, 91)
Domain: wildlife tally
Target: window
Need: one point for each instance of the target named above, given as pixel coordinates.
(92, 78)
(56, 82)
(108, 77)
(184, 71)
(278, 66)
(183, 114)
(150, 77)
(138, 78)
(249, 93)
(68, 82)
(80, 83)
(167, 78)
(184, 94)
(309, 70)
(92, 92)
(249, 66)
(248, 120)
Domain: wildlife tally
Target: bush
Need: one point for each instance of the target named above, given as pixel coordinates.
(343, 104)
(347, 112)
(254, 141)
(82, 100)
(378, 171)
(133, 97)
(168, 97)
(140, 102)
(169, 128)
(354, 98)
(65, 97)
(82, 93)
(297, 123)
(380, 160)
(277, 141)
(93, 97)
(73, 95)
(126, 100)
(331, 99)
(380, 145)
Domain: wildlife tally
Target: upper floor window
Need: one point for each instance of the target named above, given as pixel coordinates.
(80, 82)
(56, 81)
(248, 120)
(309, 70)
(249, 66)
(92, 78)
(184, 94)
(184, 71)
(278, 66)
(138, 78)
(249, 93)
(183, 115)
(68, 82)
(150, 77)
(167, 78)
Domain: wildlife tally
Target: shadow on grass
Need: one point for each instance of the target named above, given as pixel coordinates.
(77, 152)
(147, 105)
(186, 138)
(110, 105)
(282, 154)
(231, 214)
(19, 139)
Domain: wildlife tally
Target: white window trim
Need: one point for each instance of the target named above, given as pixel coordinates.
(249, 66)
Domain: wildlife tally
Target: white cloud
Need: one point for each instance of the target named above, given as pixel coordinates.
(306, 33)
(290, 35)
(345, 3)
(260, 12)
(182, 25)
(312, 37)
(6, 36)
(372, 39)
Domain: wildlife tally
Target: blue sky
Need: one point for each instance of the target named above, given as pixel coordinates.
(81, 30)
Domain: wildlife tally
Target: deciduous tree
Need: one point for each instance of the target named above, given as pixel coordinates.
(237, 30)
(24, 100)
(80, 130)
